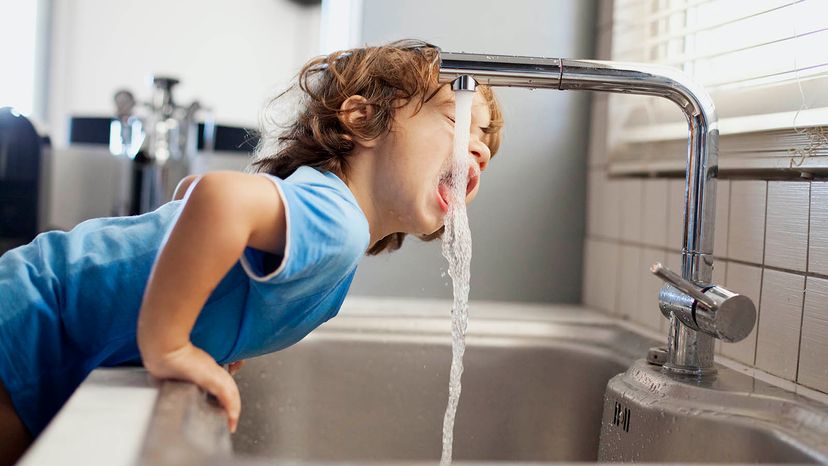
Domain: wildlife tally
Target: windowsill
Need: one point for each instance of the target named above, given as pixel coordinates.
(729, 126)
(775, 167)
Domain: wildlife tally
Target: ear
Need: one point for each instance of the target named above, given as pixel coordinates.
(354, 112)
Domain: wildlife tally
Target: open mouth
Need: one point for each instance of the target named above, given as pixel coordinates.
(473, 179)
(446, 184)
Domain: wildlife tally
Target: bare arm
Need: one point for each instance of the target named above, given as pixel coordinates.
(224, 213)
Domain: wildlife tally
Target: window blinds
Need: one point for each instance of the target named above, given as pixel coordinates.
(764, 62)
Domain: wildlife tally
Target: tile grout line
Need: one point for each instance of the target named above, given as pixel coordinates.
(805, 285)
(761, 276)
(641, 252)
(726, 259)
(620, 242)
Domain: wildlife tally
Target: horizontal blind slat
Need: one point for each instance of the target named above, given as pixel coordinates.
(661, 14)
(764, 62)
(675, 34)
(682, 60)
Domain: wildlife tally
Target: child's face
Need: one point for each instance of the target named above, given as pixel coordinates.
(418, 151)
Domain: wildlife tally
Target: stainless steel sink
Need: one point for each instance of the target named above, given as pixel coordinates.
(543, 384)
(373, 388)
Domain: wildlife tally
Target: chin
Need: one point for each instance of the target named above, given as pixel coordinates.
(429, 219)
(432, 226)
(438, 228)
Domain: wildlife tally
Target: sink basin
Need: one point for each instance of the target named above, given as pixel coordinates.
(542, 384)
(375, 388)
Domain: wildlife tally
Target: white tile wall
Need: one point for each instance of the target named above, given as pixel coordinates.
(786, 240)
(612, 207)
(629, 276)
(647, 312)
(771, 241)
(673, 261)
(780, 321)
(600, 274)
(675, 213)
(747, 220)
(722, 217)
(771, 244)
(818, 243)
(720, 272)
(631, 207)
(654, 214)
(813, 355)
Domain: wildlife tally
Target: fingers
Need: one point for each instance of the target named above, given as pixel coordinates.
(220, 383)
(196, 365)
(235, 366)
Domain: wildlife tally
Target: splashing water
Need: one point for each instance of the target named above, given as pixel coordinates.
(457, 250)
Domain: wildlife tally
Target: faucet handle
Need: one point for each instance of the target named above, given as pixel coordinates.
(713, 310)
(682, 284)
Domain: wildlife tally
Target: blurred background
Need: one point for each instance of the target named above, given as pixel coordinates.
(586, 188)
(65, 61)
(586, 192)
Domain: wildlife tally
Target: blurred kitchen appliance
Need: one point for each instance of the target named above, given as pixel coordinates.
(157, 141)
(21, 159)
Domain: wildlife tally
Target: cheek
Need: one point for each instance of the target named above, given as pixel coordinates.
(434, 148)
(429, 144)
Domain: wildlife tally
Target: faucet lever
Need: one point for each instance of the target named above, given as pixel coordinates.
(685, 286)
(713, 310)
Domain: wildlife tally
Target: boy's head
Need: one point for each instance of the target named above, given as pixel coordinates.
(385, 100)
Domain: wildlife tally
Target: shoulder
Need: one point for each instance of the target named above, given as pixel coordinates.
(244, 204)
(323, 215)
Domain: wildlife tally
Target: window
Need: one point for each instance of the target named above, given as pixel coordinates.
(341, 25)
(18, 29)
(764, 62)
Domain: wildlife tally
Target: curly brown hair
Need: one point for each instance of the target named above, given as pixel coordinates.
(388, 77)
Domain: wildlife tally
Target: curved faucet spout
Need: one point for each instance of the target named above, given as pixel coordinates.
(689, 351)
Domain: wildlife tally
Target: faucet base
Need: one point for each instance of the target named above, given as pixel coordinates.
(658, 356)
(652, 416)
(697, 372)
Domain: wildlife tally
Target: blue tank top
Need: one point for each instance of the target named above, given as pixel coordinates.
(69, 301)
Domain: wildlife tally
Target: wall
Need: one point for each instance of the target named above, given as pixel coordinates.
(527, 223)
(229, 55)
(771, 244)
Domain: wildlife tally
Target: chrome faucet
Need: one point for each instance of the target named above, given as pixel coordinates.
(698, 311)
(158, 138)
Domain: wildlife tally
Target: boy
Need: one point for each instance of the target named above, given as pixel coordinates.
(240, 264)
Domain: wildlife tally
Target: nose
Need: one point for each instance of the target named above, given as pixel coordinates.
(480, 152)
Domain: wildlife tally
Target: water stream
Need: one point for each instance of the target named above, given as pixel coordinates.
(457, 248)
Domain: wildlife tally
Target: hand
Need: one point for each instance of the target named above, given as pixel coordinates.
(234, 367)
(195, 365)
